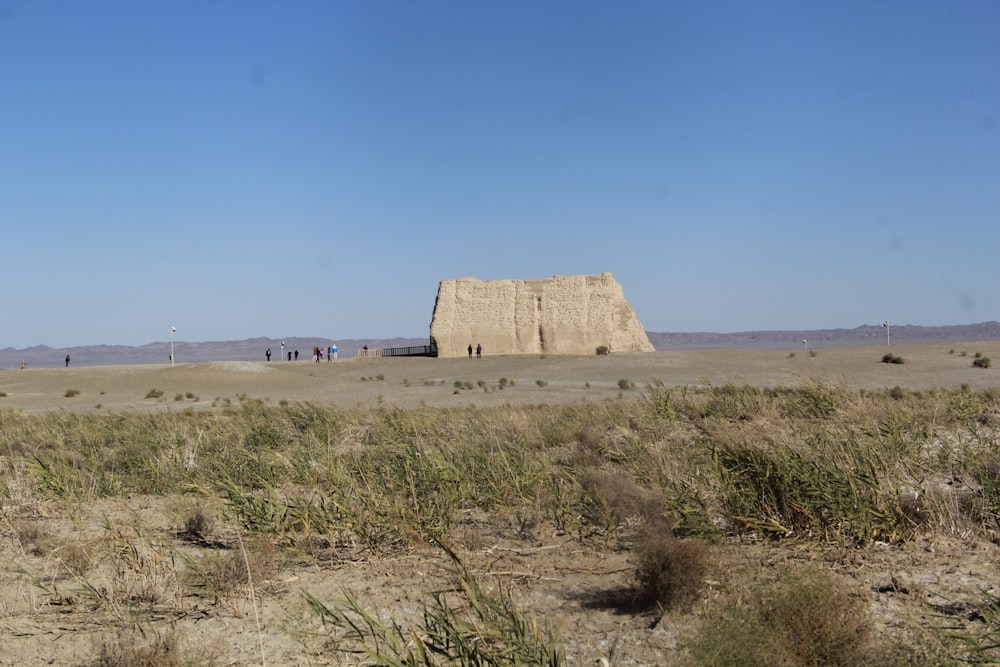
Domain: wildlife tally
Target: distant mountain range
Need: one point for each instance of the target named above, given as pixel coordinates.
(866, 334)
(42, 356)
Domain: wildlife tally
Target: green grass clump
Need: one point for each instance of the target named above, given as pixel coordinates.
(981, 362)
(474, 624)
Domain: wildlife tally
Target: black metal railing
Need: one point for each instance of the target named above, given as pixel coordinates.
(410, 351)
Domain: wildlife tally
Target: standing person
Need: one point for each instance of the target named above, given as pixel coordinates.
(334, 350)
(329, 354)
(470, 350)
(289, 355)
(479, 350)
(67, 361)
(268, 354)
(296, 355)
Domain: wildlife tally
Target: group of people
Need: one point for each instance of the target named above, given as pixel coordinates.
(318, 353)
(479, 350)
(329, 351)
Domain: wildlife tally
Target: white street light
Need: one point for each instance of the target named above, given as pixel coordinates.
(172, 330)
(805, 345)
(886, 325)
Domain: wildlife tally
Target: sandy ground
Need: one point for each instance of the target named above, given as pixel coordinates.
(431, 382)
(552, 575)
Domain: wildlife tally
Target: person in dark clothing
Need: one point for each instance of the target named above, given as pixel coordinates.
(470, 350)
(67, 361)
(268, 353)
(296, 355)
(479, 350)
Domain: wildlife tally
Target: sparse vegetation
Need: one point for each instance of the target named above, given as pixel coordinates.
(981, 362)
(541, 383)
(471, 625)
(70, 393)
(890, 358)
(625, 384)
(154, 393)
(677, 477)
(603, 350)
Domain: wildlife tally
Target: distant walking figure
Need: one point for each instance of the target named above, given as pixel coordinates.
(296, 355)
(470, 350)
(289, 355)
(268, 353)
(67, 361)
(479, 351)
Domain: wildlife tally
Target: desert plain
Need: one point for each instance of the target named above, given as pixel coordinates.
(414, 382)
(57, 605)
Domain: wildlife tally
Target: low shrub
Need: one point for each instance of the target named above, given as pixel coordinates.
(163, 651)
(198, 526)
(670, 571)
(890, 358)
(603, 350)
(981, 362)
(805, 618)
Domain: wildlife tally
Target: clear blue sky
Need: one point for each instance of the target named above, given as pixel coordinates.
(238, 168)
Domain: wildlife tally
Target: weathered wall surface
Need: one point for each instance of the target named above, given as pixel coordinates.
(558, 315)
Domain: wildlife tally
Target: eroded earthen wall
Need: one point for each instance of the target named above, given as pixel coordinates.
(558, 315)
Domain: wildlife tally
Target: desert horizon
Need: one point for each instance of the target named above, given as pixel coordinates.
(253, 349)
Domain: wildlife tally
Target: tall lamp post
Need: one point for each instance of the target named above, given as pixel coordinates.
(172, 330)
(886, 325)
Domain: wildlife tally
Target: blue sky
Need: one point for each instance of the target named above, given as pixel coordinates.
(238, 168)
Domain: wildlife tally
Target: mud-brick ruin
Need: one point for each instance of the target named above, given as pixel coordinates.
(557, 315)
